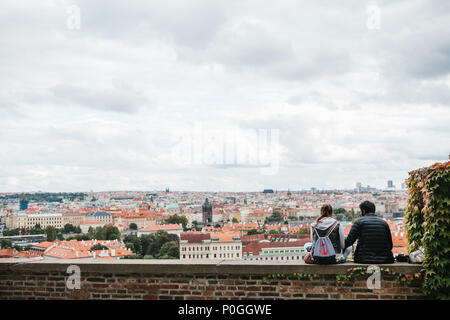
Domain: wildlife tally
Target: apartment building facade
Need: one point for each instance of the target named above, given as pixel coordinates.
(28, 221)
(200, 246)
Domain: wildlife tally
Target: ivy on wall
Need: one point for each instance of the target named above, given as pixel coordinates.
(428, 225)
(362, 273)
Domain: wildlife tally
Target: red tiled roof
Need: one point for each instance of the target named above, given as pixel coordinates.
(226, 237)
(164, 227)
(195, 237)
(6, 253)
(255, 247)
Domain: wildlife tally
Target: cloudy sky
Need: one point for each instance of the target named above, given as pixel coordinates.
(229, 95)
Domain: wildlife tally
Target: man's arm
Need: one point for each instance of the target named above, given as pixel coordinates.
(353, 235)
(389, 237)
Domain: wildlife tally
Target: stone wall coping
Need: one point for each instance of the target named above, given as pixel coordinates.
(127, 266)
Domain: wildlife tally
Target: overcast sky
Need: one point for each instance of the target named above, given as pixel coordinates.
(143, 95)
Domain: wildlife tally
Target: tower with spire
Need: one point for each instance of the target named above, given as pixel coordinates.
(207, 212)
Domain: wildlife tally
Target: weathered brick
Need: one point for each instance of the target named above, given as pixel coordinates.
(366, 296)
(315, 295)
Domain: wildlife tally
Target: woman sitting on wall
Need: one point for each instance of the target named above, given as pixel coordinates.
(328, 240)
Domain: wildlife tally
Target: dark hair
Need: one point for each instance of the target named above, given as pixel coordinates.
(325, 211)
(367, 207)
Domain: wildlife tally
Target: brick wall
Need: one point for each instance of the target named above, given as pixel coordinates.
(175, 280)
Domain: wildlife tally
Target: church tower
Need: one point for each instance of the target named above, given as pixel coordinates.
(207, 213)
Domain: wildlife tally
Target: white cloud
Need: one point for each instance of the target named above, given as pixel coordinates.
(103, 107)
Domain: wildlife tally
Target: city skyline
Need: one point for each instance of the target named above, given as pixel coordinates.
(224, 96)
(163, 190)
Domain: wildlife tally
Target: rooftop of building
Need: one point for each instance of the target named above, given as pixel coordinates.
(164, 227)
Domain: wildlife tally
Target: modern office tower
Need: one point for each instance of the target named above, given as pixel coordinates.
(23, 204)
(207, 212)
(390, 184)
(358, 186)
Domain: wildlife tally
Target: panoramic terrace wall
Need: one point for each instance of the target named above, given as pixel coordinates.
(171, 279)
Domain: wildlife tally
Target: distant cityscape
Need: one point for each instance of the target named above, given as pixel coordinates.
(192, 226)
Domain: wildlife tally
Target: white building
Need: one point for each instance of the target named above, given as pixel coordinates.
(28, 221)
(169, 228)
(200, 246)
(103, 216)
(84, 226)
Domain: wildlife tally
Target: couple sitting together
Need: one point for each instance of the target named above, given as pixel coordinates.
(329, 245)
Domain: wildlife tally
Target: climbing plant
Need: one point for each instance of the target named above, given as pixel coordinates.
(428, 225)
(293, 276)
(362, 273)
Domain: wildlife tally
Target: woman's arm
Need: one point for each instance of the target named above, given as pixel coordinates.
(311, 235)
(341, 236)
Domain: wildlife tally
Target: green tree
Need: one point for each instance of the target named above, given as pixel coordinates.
(13, 232)
(112, 233)
(79, 237)
(234, 220)
(132, 240)
(51, 233)
(6, 244)
(274, 217)
(176, 219)
(169, 250)
(145, 241)
(157, 240)
(100, 233)
(98, 246)
(133, 226)
(153, 245)
(253, 231)
(68, 228)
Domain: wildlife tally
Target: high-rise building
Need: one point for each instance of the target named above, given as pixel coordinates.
(358, 186)
(390, 184)
(207, 212)
(23, 204)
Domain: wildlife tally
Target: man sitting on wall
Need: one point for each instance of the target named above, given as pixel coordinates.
(373, 235)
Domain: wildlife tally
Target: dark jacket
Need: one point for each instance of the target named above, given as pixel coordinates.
(374, 240)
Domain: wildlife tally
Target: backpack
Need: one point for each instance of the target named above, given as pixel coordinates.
(323, 251)
(417, 256)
